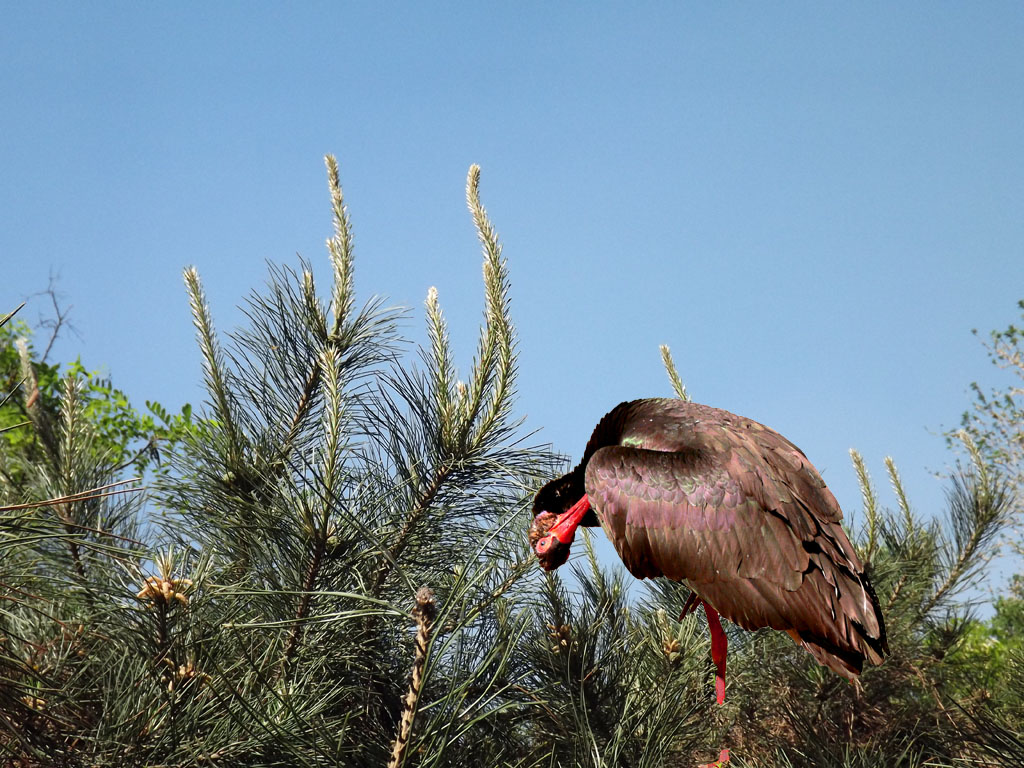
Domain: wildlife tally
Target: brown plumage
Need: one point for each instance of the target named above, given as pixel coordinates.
(732, 509)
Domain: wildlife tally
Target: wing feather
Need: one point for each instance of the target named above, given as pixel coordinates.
(747, 522)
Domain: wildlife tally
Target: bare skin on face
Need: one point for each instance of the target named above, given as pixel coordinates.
(551, 553)
(550, 534)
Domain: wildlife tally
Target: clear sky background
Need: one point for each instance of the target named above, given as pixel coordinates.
(812, 203)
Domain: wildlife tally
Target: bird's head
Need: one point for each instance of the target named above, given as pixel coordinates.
(557, 511)
(551, 552)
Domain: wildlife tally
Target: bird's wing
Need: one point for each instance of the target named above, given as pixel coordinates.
(756, 536)
(673, 425)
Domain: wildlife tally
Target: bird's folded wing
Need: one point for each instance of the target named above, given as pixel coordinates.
(744, 532)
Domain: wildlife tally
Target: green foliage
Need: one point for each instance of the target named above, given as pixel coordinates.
(996, 420)
(31, 391)
(12, 417)
(338, 575)
(1007, 625)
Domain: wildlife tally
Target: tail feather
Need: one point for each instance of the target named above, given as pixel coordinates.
(847, 662)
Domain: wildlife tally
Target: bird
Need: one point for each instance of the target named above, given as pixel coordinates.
(733, 510)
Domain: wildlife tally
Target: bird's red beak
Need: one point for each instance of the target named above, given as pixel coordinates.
(564, 527)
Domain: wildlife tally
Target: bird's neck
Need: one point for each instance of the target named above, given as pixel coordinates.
(608, 431)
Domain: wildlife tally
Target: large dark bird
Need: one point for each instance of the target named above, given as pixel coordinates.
(730, 508)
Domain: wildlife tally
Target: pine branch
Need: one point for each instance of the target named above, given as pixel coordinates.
(72, 434)
(979, 506)
(870, 499)
(488, 394)
(333, 426)
(317, 530)
(440, 362)
(424, 614)
(517, 572)
(214, 369)
(310, 387)
(419, 511)
(340, 249)
(489, 389)
(302, 409)
(673, 374)
(302, 611)
(901, 496)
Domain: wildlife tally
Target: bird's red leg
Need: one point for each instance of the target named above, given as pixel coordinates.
(564, 527)
(719, 646)
(723, 758)
(690, 605)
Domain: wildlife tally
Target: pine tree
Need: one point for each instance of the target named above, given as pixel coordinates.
(337, 521)
(336, 498)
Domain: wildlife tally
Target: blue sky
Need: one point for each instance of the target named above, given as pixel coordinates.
(812, 203)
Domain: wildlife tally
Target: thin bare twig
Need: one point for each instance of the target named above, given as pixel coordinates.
(60, 317)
